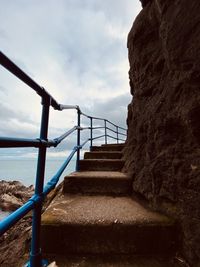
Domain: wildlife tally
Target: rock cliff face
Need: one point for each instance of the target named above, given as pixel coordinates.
(163, 145)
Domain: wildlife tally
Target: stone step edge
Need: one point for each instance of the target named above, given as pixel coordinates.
(107, 148)
(95, 183)
(104, 152)
(112, 260)
(117, 144)
(102, 155)
(101, 164)
(103, 160)
(98, 174)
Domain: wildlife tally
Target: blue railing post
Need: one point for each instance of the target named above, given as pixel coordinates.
(91, 132)
(35, 255)
(117, 128)
(78, 138)
(105, 125)
(35, 203)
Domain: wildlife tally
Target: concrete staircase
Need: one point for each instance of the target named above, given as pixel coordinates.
(94, 221)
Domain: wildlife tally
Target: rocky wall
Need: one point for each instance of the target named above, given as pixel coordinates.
(163, 146)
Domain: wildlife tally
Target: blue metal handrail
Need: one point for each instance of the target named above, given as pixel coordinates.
(42, 143)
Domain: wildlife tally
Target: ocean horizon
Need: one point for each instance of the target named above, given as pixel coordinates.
(24, 171)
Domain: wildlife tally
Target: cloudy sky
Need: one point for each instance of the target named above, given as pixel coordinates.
(76, 50)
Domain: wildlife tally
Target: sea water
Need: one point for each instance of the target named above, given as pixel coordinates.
(24, 170)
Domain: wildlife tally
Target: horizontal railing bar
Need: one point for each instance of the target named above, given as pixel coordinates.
(111, 130)
(14, 217)
(115, 131)
(63, 136)
(122, 134)
(97, 118)
(14, 69)
(112, 137)
(52, 183)
(124, 129)
(98, 137)
(83, 144)
(85, 128)
(89, 117)
(62, 107)
(24, 142)
(112, 123)
(116, 125)
(93, 128)
(115, 138)
(85, 115)
(96, 128)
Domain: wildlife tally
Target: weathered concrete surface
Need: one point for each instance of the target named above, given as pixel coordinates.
(112, 261)
(103, 224)
(110, 147)
(120, 146)
(99, 173)
(103, 155)
(98, 182)
(162, 151)
(102, 230)
(103, 158)
(101, 164)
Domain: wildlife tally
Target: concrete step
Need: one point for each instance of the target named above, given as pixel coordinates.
(99, 183)
(117, 147)
(76, 224)
(111, 261)
(115, 144)
(103, 155)
(101, 165)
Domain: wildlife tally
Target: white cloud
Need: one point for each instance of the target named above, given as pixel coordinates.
(76, 49)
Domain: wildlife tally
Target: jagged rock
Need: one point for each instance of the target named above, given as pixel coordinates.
(17, 239)
(9, 202)
(13, 194)
(162, 151)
